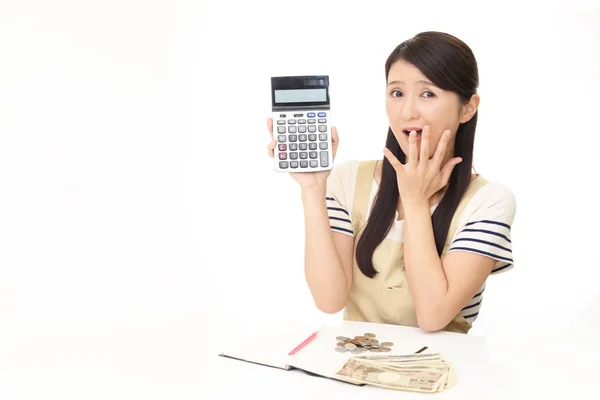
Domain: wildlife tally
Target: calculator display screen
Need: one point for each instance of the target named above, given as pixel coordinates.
(300, 91)
(300, 95)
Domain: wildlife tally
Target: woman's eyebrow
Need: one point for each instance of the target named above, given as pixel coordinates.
(421, 81)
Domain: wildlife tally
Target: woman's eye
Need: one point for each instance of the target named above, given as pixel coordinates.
(396, 93)
(428, 94)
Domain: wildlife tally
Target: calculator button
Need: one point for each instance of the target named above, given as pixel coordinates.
(310, 115)
(323, 145)
(281, 115)
(302, 129)
(291, 121)
(294, 164)
(322, 128)
(292, 129)
(298, 115)
(302, 138)
(312, 128)
(283, 164)
(281, 129)
(322, 114)
(301, 121)
(281, 122)
(293, 146)
(311, 146)
(281, 138)
(293, 138)
(313, 154)
(322, 136)
(303, 146)
(303, 155)
(293, 156)
(303, 164)
(314, 163)
(312, 121)
(283, 147)
(313, 137)
(322, 120)
(324, 159)
(283, 156)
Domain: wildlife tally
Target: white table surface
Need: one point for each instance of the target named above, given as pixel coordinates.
(175, 356)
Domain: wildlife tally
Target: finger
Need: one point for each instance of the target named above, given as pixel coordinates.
(447, 170)
(396, 164)
(413, 149)
(424, 153)
(271, 148)
(440, 152)
(335, 140)
(270, 126)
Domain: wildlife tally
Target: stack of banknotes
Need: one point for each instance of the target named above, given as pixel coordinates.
(422, 372)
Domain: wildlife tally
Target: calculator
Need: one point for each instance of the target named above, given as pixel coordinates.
(301, 123)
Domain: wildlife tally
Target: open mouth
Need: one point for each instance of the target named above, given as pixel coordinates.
(408, 131)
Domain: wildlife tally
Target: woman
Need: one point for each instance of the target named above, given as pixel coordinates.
(412, 238)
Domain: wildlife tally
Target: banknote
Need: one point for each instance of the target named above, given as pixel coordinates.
(415, 372)
(370, 373)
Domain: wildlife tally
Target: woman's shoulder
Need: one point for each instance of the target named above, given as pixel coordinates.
(345, 170)
(493, 195)
(494, 190)
(343, 176)
(350, 167)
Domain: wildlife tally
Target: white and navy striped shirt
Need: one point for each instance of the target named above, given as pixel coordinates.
(483, 227)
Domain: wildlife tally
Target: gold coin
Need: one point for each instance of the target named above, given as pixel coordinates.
(385, 349)
(370, 335)
(386, 344)
(340, 344)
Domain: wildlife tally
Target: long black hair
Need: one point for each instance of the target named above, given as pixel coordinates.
(450, 65)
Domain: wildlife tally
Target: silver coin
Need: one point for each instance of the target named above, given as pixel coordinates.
(370, 335)
(342, 338)
(340, 349)
(385, 349)
(350, 346)
(387, 344)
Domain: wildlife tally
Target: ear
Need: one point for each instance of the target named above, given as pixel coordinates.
(469, 109)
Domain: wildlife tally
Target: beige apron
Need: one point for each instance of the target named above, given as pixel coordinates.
(385, 298)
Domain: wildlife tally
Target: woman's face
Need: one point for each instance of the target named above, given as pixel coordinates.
(413, 102)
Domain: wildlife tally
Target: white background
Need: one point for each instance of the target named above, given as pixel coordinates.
(136, 194)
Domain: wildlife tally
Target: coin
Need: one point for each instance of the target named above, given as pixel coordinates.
(361, 344)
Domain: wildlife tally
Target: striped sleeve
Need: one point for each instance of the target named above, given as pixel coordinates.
(488, 231)
(340, 219)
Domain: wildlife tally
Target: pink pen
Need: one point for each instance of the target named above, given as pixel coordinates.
(303, 344)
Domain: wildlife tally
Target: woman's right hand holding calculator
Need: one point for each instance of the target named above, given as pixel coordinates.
(307, 180)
